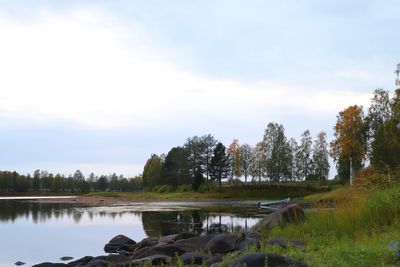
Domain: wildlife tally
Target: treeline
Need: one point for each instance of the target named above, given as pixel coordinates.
(43, 181)
(373, 138)
(273, 159)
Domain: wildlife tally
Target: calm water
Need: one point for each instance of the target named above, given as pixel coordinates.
(37, 232)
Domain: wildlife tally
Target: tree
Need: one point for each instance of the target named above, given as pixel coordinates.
(36, 180)
(379, 111)
(277, 152)
(197, 180)
(246, 152)
(152, 171)
(234, 155)
(303, 156)
(320, 160)
(258, 161)
(349, 144)
(293, 147)
(207, 146)
(220, 166)
(102, 183)
(176, 167)
(193, 147)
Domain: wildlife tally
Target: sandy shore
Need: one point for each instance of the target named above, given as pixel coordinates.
(91, 200)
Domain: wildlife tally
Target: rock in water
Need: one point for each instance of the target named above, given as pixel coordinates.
(266, 259)
(19, 263)
(120, 242)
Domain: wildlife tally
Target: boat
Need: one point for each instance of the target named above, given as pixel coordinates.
(271, 204)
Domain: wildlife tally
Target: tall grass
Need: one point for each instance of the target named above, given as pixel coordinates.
(355, 232)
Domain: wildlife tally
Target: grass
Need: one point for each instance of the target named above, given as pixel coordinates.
(356, 233)
(254, 191)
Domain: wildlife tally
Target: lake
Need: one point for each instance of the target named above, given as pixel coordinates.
(37, 232)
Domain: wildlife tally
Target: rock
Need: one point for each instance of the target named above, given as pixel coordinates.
(194, 258)
(266, 259)
(222, 243)
(66, 258)
(214, 260)
(50, 264)
(80, 262)
(198, 243)
(284, 243)
(99, 263)
(172, 238)
(120, 242)
(167, 250)
(147, 242)
(19, 263)
(106, 261)
(289, 214)
(395, 245)
(245, 242)
(153, 260)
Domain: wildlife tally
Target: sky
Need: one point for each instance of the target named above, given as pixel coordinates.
(101, 85)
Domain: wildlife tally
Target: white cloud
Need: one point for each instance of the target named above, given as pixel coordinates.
(88, 68)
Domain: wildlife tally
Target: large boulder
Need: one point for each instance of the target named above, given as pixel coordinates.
(266, 259)
(120, 242)
(161, 249)
(245, 242)
(147, 242)
(108, 260)
(173, 238)
(154, 260)
(222, 243)
(49, 264)
(191, 258)
(80, 262)
(198, 243)
(289, 214)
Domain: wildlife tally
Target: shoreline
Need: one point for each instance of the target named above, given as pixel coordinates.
(96, 200)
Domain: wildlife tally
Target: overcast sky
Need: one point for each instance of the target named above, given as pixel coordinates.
(100, 85)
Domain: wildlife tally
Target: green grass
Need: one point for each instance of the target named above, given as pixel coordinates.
(250, 191)
(355, 233)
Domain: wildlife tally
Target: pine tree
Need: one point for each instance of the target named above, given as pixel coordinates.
(220, 166)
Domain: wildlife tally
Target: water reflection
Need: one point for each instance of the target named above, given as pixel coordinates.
(24, 224)
(156, 220)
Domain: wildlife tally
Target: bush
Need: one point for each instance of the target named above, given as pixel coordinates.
(162, 189)
(184, 188)
(208, 187)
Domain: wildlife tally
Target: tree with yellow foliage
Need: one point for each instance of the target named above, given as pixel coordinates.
(349, 147)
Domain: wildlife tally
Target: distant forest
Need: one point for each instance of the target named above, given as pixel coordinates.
(364, 142)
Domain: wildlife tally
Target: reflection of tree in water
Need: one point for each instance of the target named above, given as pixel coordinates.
(155, 223)
(160, 223)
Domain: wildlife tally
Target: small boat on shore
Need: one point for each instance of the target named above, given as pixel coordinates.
(273, 204)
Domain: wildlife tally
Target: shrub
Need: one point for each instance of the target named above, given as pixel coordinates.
(162, 189)
(208, 187)
(184, 188)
